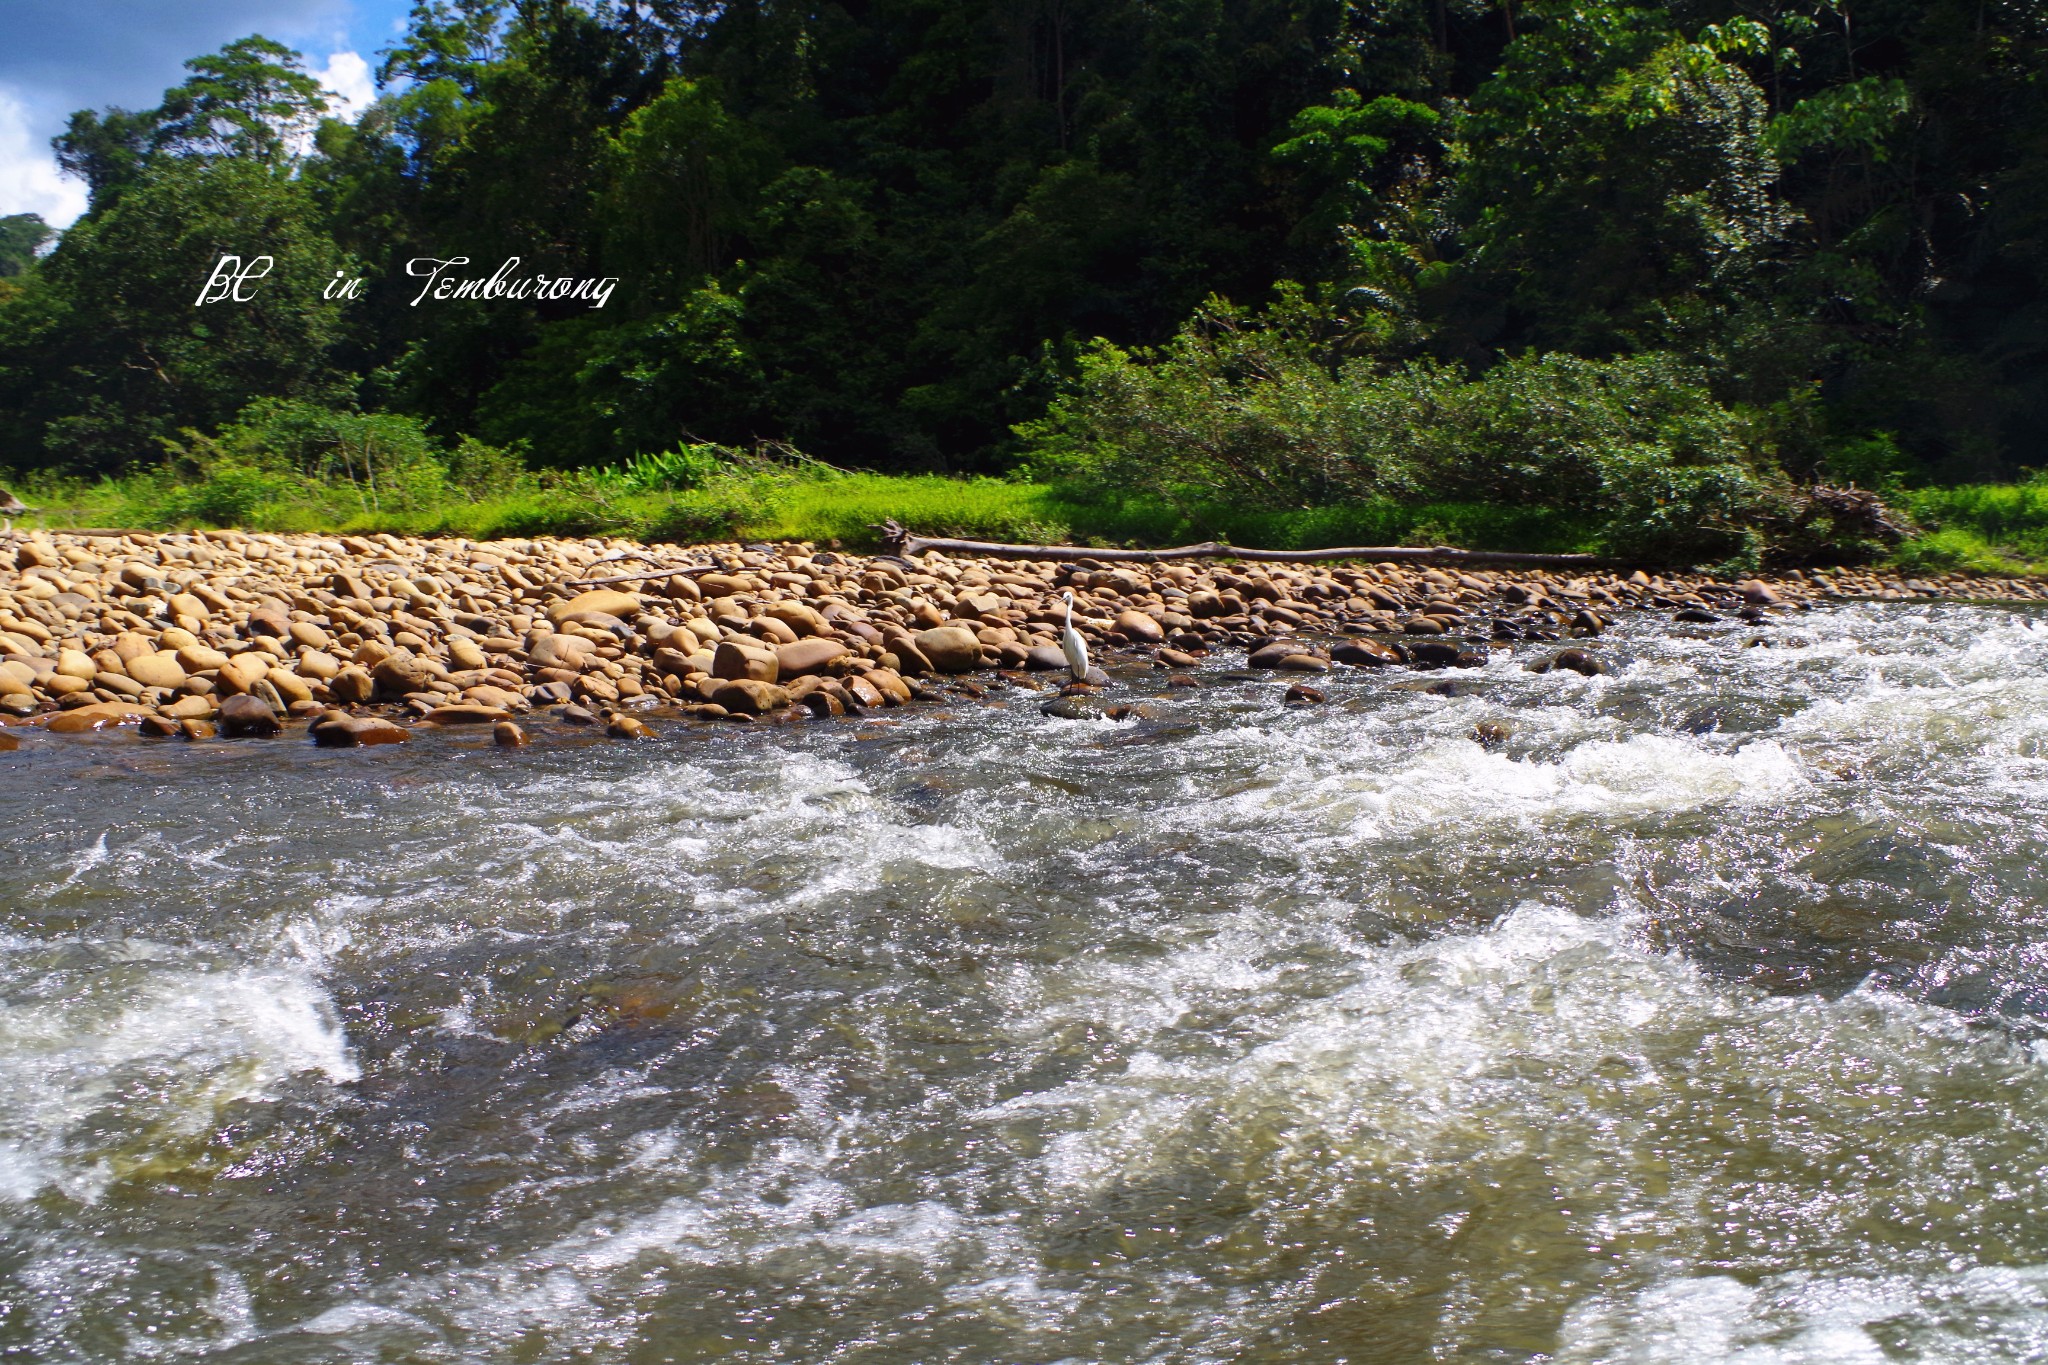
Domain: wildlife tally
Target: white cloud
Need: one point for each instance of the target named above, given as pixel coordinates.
(347, 77)
(29, 179)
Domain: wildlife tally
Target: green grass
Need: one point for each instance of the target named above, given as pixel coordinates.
(817, 505)
(1995, 528)
(1982, 528)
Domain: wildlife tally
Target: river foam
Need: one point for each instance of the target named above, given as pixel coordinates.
(1696, 1018)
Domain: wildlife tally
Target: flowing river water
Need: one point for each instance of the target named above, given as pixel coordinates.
(1705, 1018)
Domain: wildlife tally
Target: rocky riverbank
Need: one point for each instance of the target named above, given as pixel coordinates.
(361, 638)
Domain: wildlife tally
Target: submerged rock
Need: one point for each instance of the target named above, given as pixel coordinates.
(336, 730)
(628, 727)
(1574, 660)
(247, 717)
(1366, 654)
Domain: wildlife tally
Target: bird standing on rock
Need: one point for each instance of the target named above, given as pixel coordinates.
(1073, 646)
(10, 508)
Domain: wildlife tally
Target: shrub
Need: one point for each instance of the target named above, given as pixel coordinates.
(1267, 412)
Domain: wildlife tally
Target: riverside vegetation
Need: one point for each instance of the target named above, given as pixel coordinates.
(1637, 278)
(237, 635)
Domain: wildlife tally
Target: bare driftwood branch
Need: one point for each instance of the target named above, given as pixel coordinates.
(902, 542)
(89, 531)
(686, 571)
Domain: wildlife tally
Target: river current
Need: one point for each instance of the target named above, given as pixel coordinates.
(1702, 1018)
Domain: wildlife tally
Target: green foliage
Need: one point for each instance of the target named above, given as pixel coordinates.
(1266, 412)
(682, 178)
(105, 351)
(252, 100)
(1863, 117)
(1989, 528)
(1628, 265)
(1613, 172)
(21, 236)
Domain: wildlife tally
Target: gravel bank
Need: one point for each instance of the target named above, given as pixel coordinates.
(361, 638)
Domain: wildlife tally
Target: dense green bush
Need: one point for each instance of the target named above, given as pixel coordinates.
(1268, 412)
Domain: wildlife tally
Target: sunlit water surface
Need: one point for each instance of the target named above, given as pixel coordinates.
(1699, 1021)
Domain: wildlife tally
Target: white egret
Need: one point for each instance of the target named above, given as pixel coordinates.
(1073, 646)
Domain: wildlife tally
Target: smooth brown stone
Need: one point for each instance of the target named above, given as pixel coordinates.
(157, 669)
(241, 672)
(507, 735)
(735, 661)
(88, 718)
(345, 732)
(1140, 627)
(609, 601)
(466, 713)
(949, 649)
(560, 651)
(247, 717)
(810, 656)
(749, 696)
(1365, 654)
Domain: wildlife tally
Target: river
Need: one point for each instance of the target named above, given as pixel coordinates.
(1703, 1017)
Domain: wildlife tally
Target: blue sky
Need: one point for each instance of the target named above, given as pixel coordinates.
(61, 55)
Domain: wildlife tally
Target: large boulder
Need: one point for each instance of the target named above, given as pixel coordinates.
(157, 669)
(950, 649)
(749, 696)
(798, 617)
(240, 673)
(734, 660)
(814, 655)
(1136, 625)
(560, 651)
(244, 716)
(401, 674)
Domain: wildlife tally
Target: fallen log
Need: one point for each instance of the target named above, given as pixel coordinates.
(902, 542)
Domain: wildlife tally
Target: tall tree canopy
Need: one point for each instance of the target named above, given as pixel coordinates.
(886, 230)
